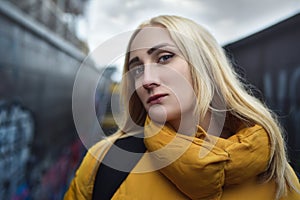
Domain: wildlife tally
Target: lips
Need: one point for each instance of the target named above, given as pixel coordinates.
(155, 98)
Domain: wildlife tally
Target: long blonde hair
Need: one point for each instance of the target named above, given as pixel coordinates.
(211, 72)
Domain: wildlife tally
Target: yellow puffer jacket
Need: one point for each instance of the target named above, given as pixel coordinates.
(208, 168)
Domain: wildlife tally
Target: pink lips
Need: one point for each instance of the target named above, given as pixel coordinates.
(156, 98)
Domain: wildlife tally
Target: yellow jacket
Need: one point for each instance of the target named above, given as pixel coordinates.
(208, 168)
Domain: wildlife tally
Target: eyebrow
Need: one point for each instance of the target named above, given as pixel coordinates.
(149, 52)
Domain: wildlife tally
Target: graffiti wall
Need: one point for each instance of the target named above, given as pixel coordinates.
(16, 134)
(39, 145)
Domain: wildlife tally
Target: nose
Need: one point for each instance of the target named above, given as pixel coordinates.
(150, 78)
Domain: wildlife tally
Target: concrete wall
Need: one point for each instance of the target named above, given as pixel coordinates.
(37, 72)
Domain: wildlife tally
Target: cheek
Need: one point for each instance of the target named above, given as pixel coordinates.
(185, 98)
(141, 95)
(183, 92)
(137, 88)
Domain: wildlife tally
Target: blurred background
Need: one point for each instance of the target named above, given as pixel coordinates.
(43, 43)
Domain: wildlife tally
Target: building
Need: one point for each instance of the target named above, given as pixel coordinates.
(270, 60)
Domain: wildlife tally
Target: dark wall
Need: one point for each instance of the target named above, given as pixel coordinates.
(271, 61)
(39, 77)
(37, 73)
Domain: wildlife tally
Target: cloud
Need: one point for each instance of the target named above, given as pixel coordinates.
(233, 19)
(112, 17)
(227, 20)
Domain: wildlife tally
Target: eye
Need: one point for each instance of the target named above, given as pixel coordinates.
(137, 71)
(165, 58)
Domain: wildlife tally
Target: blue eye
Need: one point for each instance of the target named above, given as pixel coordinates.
(137, 71)
(165, 58)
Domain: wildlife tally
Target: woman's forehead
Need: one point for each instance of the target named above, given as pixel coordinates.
(149, 37)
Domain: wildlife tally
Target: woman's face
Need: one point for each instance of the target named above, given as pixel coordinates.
(161, 75)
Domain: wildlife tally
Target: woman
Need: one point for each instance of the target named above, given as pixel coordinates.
(205, 136)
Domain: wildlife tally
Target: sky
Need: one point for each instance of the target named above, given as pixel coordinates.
(227, 20)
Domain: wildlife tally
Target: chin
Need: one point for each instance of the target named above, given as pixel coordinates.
(158, 114)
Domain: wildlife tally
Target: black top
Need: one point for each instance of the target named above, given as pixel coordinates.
(109, 179)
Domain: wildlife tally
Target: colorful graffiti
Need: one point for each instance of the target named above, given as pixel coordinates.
(16, 133)
(20, 178)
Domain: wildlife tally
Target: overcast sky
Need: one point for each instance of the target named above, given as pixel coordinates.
(227, 20)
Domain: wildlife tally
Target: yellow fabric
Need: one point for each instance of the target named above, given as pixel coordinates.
(208, 168)
(82, 185)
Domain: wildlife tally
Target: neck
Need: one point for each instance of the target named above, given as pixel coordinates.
(187, 125)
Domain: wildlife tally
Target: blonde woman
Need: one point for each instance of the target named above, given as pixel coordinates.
(200, 135)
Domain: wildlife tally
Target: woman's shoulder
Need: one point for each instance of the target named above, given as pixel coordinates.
(251, 134)
(97, 149)
(82, 184)
(97, 152)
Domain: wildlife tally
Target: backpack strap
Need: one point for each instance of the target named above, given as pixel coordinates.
(108, 179)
